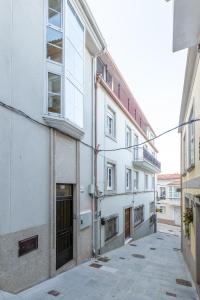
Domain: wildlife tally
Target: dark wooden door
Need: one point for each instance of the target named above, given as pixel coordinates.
(127, 223)
(64, 224)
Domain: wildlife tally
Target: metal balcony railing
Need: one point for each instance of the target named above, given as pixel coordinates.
(142, 154)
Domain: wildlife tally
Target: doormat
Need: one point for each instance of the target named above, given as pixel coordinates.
(138, 256)
(184, 282)
(170, 294)
(104, 259)
(152, 248)
(54, 293)
(96, 266)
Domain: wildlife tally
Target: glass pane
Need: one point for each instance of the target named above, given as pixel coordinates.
(54, 104)
(54, 83)
(54, 46)
(55, 4)
(54, 18)
(54, 96)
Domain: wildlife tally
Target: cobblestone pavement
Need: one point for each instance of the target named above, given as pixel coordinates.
(146, 269)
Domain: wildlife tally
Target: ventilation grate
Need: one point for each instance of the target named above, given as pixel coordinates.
(184, 282)
(54, 293)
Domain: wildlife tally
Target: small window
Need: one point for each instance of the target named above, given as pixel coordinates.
(110, 177)
(162, 192)
(138, 215)
(136, 180)
(128, 179)
(100, 67)
(54, 45)
(111, 227)
(55, 13)
(54, 93)
(146, 178)
(109, 79)
(162, 209)
(128, 136)
(110, 123)
(28, 245)
(191, 138)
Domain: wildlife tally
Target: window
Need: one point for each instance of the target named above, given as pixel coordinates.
(138, 215)
(191, 148)
(170, 192)
(55, 13)
(111, 227)
(110, 123)
(184, 153)
(162, 192)
(100, 67)
(118, 91)
(73, 79)
(136, 180)
(136, 152)
(110, 177)
(54, 93)
(128, 137)
(146, 184)
(109, 79)
(162, 209)
(128, 179)
(54, 31)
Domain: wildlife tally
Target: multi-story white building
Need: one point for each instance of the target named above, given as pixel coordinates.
(125, 178)
(169, 199)
(47, 87)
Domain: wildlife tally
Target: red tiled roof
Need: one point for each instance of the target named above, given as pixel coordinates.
(168, 176)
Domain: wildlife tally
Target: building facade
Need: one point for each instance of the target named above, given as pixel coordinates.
(126, 177)
(190, 164)
(47, 92)
(168, 199)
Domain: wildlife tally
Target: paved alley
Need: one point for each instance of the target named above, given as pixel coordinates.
(146, 269)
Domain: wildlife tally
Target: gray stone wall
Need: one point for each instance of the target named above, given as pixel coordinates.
(143, 229)
(18, 273)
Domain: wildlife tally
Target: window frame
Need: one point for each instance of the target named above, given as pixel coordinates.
(128, 137)
(146, 182)
(110, 113)
(107, 220)
(61, 96)
(112, 168)
(141, 219)
(128, 179)
(136, 181)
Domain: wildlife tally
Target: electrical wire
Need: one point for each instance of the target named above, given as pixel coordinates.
(20, 112)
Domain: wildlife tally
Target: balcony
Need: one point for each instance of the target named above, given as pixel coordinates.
(145, 160)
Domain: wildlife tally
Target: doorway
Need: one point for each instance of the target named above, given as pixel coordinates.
(128, 222)
(64, 224)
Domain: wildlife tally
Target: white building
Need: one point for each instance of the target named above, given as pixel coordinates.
(47, 61)
(125, 178)
(169, 199)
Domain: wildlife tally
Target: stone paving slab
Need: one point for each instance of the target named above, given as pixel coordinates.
(149, 278)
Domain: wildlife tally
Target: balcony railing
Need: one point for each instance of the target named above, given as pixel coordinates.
(143, 158)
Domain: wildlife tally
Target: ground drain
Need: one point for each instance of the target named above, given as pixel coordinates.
(122, 257)
(152, 248)
(54, 293)
(96, 266)
(104, 259)
(170, 230)
(176, 249)
(160, 238)
(184, 282)
(134, 245)
(170, 294)
(138, 255)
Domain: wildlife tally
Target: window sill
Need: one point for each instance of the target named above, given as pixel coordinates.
(110, 193)
(111, 137)
(64, 125)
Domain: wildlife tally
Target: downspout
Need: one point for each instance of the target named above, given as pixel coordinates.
(181, 164)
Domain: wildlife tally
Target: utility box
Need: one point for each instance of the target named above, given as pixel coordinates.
(85, 219)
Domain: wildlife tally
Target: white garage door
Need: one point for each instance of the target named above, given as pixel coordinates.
(177, 215)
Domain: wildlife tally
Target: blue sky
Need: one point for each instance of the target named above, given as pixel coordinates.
(139, 37)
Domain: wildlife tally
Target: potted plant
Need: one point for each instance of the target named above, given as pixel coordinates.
(187, 220)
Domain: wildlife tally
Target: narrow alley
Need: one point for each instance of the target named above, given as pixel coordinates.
(151, 268)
